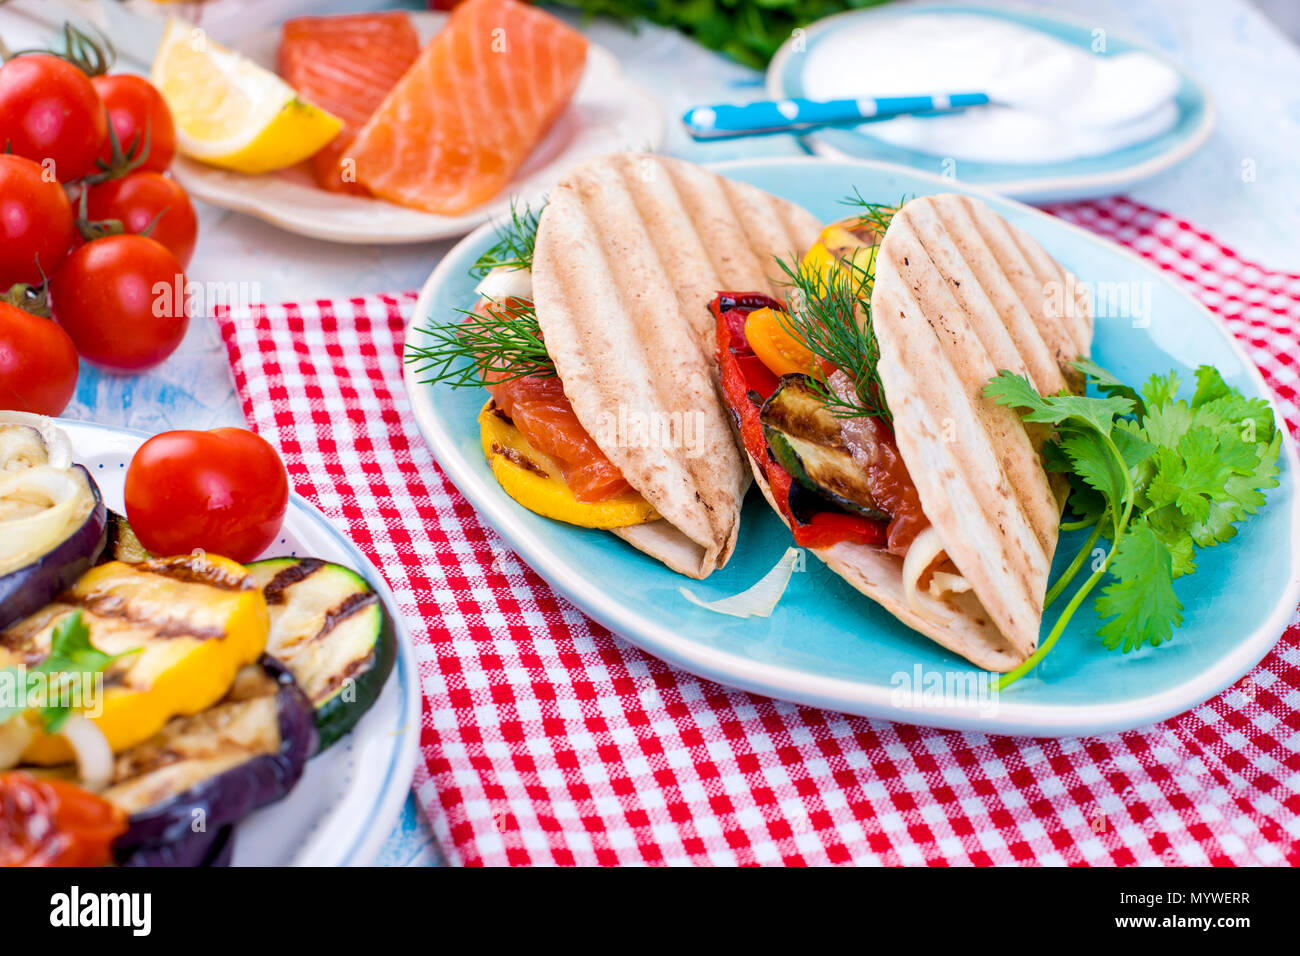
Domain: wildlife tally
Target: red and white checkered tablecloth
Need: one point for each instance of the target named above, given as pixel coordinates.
(547, 740)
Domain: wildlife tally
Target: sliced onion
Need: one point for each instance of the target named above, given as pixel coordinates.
(943, 583)
(21, 446)
(920, 555)
(761, 599)
(504, 282)
(61, 497)
(15, 735)
(93, 754)
(58, 448)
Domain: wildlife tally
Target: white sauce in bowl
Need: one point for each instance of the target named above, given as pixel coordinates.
(1056, 101)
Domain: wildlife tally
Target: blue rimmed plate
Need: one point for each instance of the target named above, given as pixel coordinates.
(1033, 182)
(828, 646)
(350, 797)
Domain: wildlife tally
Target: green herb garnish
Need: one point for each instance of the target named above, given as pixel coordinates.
(877, 215)
(822, 314)
(1158, 477)
(504, 341)
(515, 241)
(72, 657)
(500, 346)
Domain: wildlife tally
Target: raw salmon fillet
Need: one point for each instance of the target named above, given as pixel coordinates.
(346, 65)
(463, 119)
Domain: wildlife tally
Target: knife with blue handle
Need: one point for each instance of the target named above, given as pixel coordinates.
(725, 121)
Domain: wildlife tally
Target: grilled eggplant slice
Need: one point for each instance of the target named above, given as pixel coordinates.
(199, 849)
(805, 438)
(330, 629)
(52, 526)
(205, 772)
(191, 621)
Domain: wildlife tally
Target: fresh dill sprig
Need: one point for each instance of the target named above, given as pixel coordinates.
(515, 241)
(823, 316)
(877, 215)
(500, 344)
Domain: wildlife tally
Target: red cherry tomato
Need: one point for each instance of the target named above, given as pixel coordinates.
(137, 112)
(50, 113)
(36, 223)
(139, 200)
(53, 823)
(224, 491)
(122, 299)
(38, 363)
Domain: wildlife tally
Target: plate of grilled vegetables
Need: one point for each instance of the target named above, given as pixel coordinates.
(187, 709)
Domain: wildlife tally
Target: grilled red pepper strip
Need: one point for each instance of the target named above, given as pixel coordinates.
(744, 376)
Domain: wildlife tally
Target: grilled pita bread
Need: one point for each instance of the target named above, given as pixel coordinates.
(960, 294)
(630, 251)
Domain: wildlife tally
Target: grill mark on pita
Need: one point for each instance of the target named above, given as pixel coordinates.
(1037, 356)
(1013, 260)
(597, 238)
(1057, 332)
(628, 233)
(1020, 477)
(649, 206)
(943, 399)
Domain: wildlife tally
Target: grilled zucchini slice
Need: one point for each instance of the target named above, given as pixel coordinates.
(329, 627)
(804, 436)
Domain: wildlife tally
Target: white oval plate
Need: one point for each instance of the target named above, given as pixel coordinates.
(350, 797)
(608, 114)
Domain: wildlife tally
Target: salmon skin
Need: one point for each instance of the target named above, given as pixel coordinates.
(460, 123)
(346, 65)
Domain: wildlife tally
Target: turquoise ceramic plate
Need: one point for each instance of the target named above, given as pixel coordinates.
(1036, 182)
(827, 645)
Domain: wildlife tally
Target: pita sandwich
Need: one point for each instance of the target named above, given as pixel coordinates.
(620, 423)
(958, 295)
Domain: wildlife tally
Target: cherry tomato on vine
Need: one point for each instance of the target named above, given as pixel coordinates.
(138, 114)
(50, 113)
(122, 300)
(36, 223)
(224, 491)
(139, 200)
(38, 363)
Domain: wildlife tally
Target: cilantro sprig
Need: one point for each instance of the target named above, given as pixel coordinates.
(71, 658)
(1158, 477)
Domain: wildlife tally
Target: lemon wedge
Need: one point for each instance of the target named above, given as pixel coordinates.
(229, 111)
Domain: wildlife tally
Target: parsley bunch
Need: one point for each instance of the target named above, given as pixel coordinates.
(1158, 477)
